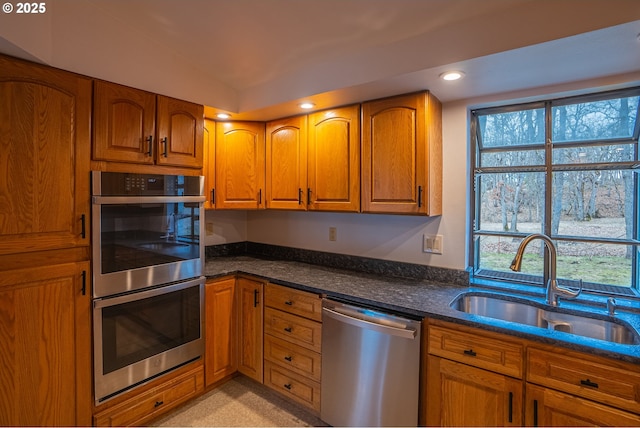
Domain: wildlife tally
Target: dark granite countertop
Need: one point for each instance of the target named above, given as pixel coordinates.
(413, 297)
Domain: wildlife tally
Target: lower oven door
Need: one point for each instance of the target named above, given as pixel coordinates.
(140, 335)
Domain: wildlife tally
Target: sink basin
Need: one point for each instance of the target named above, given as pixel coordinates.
(522, 312)
(162, 245)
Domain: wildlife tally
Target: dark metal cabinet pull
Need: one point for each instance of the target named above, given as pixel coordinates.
(510, 407)
(213, 196)
(587, 382)
(164, 146)
(288, 303)
(287, 385)
(288, 358)
(308, 195)
(469, 352)
(84, 282)
(288, 329)
(419, 196)
(259, 196)
(149, 141)
(299, 196)
(83, 221)
(535, 413)
(256, 301)
(158, 403)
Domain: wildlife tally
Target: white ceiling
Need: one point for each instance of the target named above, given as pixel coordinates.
(259, 58)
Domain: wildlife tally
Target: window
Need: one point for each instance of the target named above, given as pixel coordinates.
(567, 168)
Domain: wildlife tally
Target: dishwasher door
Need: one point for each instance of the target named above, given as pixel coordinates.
(370, 367)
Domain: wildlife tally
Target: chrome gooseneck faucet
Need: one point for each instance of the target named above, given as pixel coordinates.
(554, 291)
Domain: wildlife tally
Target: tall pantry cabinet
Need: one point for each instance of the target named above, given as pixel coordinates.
(45, 342)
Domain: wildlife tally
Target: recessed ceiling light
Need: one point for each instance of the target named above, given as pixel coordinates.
(452, 75)
(307, 105)
(223, 116)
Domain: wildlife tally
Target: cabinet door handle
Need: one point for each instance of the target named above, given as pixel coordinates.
(84, 282)
(288, 358)
(149, 141)
(419, 196)
(510, 407)
(164, 146)
(158, 403)
(213, 196)
(83, 222)
(287, 385)
(288, 329)
(535, 413)
(256, 301)
(308, 195)
(469, 352)
(587, 382)
(299, 196)
(260, 197)
(288, 303)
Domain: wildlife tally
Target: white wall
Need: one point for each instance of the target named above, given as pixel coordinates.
(392, 237)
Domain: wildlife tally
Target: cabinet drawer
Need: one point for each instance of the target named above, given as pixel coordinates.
(293, 357)
(294, 301)
(144, 407)
(603, 381)
(292, 328)
(500, 356)
(292, 385)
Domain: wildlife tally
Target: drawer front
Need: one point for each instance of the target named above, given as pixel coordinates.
(144, 407)
(484, 352)
(293, 357)
(294, 301)
(600, 381)
(292, 385)
(292, 328)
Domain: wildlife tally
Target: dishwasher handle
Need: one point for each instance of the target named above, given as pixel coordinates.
(407, 333)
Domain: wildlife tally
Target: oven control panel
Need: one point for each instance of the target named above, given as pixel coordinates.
(130, 184)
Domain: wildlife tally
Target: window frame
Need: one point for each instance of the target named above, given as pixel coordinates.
(548, 169)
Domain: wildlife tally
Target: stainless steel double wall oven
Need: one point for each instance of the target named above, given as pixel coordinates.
(148, 288)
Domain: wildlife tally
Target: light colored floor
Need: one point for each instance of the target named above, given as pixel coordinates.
(241, 402)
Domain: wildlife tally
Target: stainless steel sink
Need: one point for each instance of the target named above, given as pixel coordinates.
(162, 245)
(521, 312)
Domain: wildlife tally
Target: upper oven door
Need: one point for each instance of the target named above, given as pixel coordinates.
(142, 241)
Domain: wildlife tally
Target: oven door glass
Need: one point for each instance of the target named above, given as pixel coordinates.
(142, 334)
(139, 235)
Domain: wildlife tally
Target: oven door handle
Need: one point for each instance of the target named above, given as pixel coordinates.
(115, 200)
(156, 291)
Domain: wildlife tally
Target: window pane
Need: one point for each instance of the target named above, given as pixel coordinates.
(608, 264)
(512, 128)
(512, 158)
(511, 201)
(595, 154)
(593, 203)
(497, 252)
(596, 120)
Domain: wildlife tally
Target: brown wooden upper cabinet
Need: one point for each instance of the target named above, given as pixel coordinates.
(239, 165)
(312, 162)
(402, 155)
(135, 126)
(45, 128)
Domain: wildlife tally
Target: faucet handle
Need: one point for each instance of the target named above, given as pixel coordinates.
(611, 306)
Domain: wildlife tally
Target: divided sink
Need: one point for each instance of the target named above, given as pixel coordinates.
(522, 312)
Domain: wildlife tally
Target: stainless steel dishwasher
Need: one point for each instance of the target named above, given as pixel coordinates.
(370, 367)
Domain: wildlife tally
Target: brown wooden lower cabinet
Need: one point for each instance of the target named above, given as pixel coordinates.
(250, 294)
(154, 402)
(462, 395)
(220, 329)
(546, 407)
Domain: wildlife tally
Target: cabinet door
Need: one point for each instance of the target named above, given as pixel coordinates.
(334, 160)
(461, 395)
(124, 124)
(209, 163)
(45, 346)
(546, 407)
(286, 164)
(180, 133)
(45, 120)
(220, 328)
(240, 165)
(250, 304)
(402, 155)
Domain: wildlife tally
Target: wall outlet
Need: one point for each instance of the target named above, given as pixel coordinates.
(333, 234)
(209, 228)
(432, 244)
